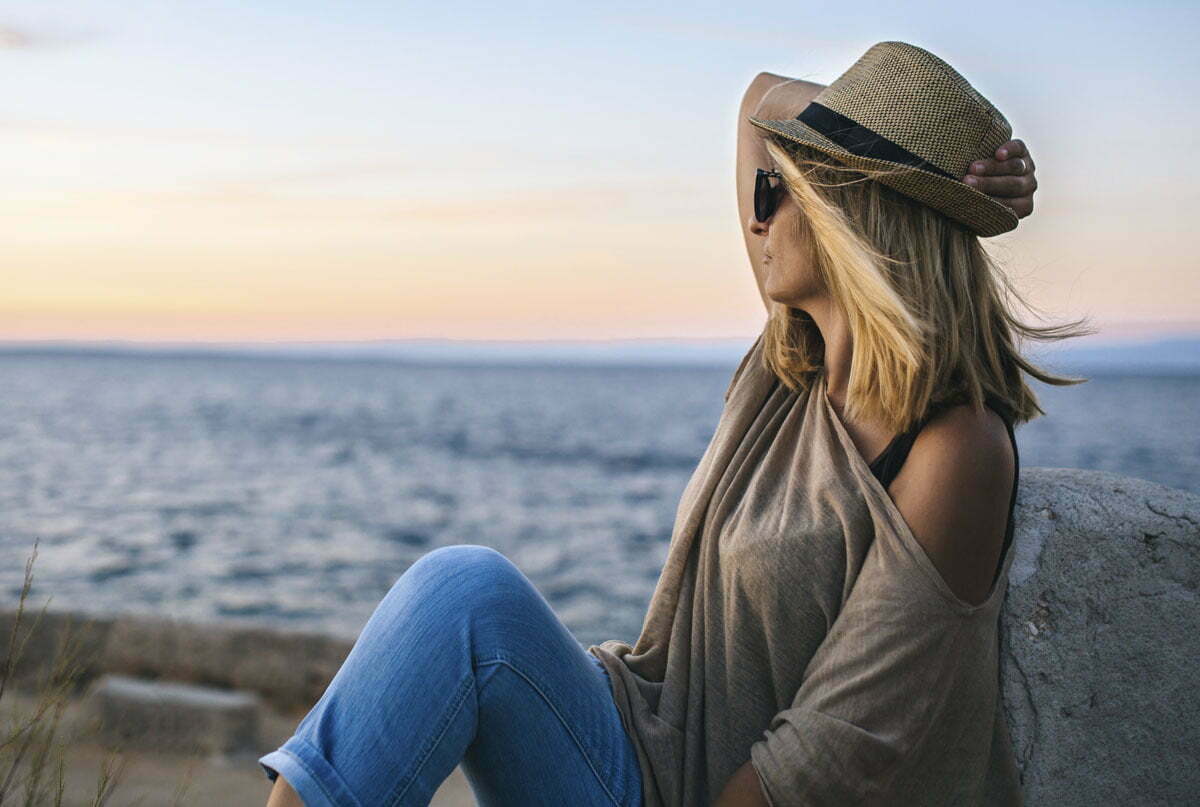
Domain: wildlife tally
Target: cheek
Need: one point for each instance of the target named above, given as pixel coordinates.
(790, 275)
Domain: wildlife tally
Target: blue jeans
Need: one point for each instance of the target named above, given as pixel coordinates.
(463, 662)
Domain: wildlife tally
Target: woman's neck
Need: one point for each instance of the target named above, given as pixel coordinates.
(839, 347)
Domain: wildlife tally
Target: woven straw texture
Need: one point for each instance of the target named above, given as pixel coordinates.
(918, 101)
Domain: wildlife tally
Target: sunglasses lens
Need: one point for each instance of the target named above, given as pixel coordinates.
(761, 198)
(764, 198)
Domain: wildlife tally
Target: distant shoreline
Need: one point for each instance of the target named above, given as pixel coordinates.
(1166, 356)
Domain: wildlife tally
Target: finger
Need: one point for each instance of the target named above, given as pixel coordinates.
(1019, 151)
(1013, 148)
(1006, 186)
(1016, 166)
(1022, 206)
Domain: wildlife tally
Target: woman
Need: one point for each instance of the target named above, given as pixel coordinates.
(776, 602)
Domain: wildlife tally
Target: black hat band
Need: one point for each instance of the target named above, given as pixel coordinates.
(860, 140)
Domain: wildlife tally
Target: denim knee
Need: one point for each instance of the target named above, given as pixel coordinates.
(467, 578)
(472, 561)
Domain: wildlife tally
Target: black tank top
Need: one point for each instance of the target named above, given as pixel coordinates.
(887, 465)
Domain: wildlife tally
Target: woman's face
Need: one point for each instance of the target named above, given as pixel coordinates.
(787, 262)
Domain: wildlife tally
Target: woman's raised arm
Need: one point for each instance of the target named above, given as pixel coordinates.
(783, 94)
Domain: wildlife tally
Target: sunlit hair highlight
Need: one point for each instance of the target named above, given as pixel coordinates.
(930, 313)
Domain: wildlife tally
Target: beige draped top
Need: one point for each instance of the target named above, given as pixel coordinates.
(798, 624)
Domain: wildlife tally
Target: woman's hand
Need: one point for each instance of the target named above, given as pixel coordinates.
(1008, 178)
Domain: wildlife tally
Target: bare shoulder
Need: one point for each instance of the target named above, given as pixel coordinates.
(954, 491)
(772, 96)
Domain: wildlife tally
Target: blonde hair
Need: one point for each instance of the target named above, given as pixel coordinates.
(928, 309)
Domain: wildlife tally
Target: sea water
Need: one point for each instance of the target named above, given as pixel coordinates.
(294, 492)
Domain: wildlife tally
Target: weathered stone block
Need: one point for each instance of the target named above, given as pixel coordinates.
(173, 716)
(1100, 636)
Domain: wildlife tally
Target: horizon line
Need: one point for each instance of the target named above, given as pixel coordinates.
(1097, 339)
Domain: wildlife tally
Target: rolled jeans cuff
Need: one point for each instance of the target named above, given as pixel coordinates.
(310, 775)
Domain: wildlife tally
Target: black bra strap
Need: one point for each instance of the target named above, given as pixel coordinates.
(887, 465)
(889, 462)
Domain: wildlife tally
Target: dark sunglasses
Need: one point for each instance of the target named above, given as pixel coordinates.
(766, 195)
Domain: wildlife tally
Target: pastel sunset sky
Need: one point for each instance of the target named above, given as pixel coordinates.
(291, 170)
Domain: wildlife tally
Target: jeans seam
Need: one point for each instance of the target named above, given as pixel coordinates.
(562, 720)
(467, 684)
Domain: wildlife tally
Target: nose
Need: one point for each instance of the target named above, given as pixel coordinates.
(759, 227)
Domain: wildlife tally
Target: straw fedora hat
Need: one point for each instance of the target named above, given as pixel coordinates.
(901, 107)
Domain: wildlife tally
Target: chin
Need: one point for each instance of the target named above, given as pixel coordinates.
(784, 296)
(800, 291)
(771, 291)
